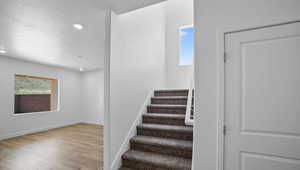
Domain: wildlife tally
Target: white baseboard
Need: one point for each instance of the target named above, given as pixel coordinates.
(116, 164)
(92, 122)
(26, 132)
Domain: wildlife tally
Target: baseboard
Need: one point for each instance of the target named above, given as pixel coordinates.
(91, 122)
(116, 164)
(88, 123)
(27, 132)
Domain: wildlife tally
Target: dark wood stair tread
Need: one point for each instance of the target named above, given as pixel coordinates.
(172, 109)
(162, 115)
(169, 100)
(124, 168)
(172, 90)
(169, 97)
(164, 118)
(167, 106)
(176, 143)
(187, 129)
(158, 160)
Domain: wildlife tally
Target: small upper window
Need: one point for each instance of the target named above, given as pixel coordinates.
(35, 94)
(186, 45)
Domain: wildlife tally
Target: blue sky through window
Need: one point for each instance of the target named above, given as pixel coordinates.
(186, 46)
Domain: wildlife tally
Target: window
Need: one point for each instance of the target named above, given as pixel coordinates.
(35, 94)
(186, 45)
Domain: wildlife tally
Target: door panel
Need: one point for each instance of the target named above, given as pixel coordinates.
(262, 99)
(270, 86)
(259, 162)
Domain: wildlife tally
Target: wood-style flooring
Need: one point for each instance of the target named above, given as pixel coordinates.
(76, 147)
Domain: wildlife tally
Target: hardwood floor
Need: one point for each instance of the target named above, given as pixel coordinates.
(76, 147)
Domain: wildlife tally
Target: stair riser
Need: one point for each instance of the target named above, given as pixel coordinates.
(152, 109)
(169, 101)
(180, 152)
(165, 134)
(144, 166)
(123, 168)
(164, 121)
(171, 93)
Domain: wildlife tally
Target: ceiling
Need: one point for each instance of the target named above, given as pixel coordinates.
(42, 30)
(123, 6)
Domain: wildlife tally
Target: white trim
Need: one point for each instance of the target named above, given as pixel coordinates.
(188, 120)
(26, 132)
(107, 56)
(186, 26)
(16, 115)
(221, 95)
(221, 82)
(116, 164)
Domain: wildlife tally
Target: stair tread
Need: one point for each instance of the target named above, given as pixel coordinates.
(170, 97)
(158, 159)
(167, 105)
(124, 168)
(166, 127)
(176, 143)
(162, 115)
(172, 90)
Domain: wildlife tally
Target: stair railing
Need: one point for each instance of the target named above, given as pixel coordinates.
(188, 119)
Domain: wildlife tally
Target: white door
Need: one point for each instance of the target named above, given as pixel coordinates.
(262, 99)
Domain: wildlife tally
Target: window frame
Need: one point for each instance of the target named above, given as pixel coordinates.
(37, 77)
(179, 45)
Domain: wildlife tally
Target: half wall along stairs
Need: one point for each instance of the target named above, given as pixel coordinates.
(163, 141)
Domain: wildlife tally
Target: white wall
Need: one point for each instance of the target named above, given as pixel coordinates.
(211, 16)
(69, 86)
(178, 13)
(137, 66)
(92, 99)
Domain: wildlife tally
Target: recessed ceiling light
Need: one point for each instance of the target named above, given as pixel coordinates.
(3, 51)
(78, 26)
(81, 69)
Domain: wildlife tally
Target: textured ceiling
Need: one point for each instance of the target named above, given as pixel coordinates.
(123, 6)
(41, 30)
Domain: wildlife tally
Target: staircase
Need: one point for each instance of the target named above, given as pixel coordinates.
(163, 142)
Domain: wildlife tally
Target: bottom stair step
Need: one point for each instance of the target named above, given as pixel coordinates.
(122, 168)
(139, 160)
(175, 147)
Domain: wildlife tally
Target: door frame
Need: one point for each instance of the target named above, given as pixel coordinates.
(107, 56)
(221, 33)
